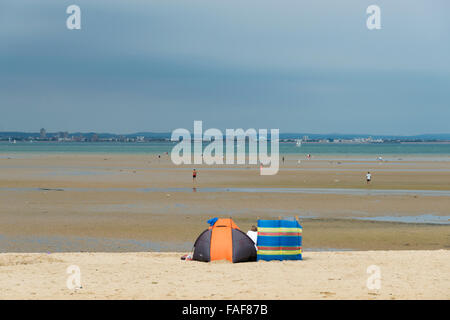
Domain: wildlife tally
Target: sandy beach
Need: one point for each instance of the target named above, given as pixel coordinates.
(125, 220)
(321, 275)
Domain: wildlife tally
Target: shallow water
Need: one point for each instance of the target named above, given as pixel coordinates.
(344, 191)
(335, 167)
(79, 173)
(160, 147)
(425, 218)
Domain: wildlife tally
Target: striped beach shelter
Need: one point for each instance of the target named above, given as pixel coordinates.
(279, 240)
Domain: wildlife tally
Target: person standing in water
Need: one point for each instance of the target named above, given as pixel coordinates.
(194, 175)
(368, 177)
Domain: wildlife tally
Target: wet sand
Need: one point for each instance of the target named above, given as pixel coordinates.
(99, 202)
(321, 275)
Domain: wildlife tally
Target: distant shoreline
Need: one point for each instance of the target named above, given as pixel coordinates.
(386, 151)
(282, 141)
(340, 138)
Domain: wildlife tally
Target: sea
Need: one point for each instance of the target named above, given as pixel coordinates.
(437, 150)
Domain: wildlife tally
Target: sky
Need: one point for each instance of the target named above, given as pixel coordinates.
(157, 65)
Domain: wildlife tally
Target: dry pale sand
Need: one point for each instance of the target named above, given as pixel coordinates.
(321, 275)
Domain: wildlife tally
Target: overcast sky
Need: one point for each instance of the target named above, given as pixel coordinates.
(300, 66)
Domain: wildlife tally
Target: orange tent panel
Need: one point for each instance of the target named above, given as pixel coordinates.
(221, 240)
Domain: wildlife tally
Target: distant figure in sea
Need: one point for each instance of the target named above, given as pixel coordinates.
(194, 175)
(368, 177)
(283, 159)
(308, 156)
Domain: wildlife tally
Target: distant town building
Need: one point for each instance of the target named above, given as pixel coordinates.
(63, 136)
(43, 133)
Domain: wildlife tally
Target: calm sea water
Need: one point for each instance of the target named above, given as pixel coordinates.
(161, 147)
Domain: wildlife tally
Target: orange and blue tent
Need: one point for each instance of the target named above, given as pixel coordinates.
(279, 240)
(223, 240)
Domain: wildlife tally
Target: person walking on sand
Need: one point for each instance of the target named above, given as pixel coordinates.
(194, 175)
(368, 177)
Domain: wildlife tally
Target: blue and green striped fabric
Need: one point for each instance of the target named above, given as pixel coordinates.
(279, 240)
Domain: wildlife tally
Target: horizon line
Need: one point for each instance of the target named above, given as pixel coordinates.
(281, 133)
